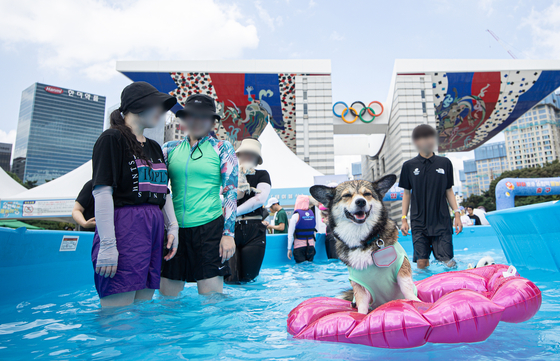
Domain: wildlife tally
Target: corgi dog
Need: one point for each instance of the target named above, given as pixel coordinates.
(367, 242)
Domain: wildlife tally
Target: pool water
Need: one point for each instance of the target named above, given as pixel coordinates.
(248, 322)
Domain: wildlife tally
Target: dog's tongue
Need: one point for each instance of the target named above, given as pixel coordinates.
(360, 215)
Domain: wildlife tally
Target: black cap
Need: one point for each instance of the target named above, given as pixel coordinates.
(139, 96)
(423, 131)
(200, 104)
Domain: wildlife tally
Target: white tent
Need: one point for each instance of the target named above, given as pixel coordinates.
(66, 187)
(8, 186)
(285, 168)
(52, 200)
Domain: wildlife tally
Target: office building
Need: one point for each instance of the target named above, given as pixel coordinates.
(56, 131)
(534, 139)
(5, 156)
(174, 130)
(294, 96)
(490, 161)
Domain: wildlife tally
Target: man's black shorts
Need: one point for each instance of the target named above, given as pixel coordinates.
(441, 246)
(198, 254)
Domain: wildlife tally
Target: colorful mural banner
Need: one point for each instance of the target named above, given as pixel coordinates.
(246, 101)
(473, 107)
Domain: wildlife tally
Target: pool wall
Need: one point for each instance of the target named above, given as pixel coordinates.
(530, 235)
(31, 261)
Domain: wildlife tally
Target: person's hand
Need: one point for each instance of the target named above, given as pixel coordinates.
(90, 223)
(404, 227)
(458, 224)
(289, 254)
(266, 223)
(227, 248)
(172, 245)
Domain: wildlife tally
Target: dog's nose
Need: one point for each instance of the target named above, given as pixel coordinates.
(360, 202)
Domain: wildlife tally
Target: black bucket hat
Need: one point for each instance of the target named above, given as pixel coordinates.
(139, 96)
(200, 104)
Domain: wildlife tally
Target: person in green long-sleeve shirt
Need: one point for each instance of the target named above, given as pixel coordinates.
(280, 217)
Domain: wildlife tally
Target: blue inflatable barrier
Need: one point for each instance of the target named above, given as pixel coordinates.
(530, 235)
(508, 188)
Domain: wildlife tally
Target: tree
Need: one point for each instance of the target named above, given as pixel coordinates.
(27, 184)
(488, 198)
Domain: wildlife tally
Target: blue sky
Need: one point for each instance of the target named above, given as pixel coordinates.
(74, 43)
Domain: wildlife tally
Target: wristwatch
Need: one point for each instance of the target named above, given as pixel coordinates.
(456, 211)
(404, 217)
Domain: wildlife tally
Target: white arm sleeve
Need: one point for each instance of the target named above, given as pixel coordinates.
(171, 221)
(104, 220)
(256, 201)
(292, 229)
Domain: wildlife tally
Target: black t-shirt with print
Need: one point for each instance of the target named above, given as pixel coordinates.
(133, 181)
(428, 179)
(260, 176)
(85, 198)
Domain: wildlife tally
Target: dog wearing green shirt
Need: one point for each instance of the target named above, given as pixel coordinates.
(367, 242)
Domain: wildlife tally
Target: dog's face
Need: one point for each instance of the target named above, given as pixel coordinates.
(355, 206)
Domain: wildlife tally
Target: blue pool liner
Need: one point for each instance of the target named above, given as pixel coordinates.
(530, 235)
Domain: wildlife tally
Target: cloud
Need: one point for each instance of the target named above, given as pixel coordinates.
(336, 36)
(486, 6)
(312, 3)
(89, 36)
(266, 18)
(545, 31)
(9, 137)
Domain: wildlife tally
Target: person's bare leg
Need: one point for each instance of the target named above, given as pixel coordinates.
(422, 263)
(211, 285)
(118, 300)
(144, 295)
(170, 288)
(451, 263)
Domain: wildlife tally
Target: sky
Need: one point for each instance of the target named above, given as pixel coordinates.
(75, 43)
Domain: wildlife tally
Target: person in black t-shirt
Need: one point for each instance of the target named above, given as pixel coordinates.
(474, 217)
(130, 189)
(427, 180)
(250, 232)
(84, 209)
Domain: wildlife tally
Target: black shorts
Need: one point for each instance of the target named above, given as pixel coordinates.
(303, 254)
(198, 255)
(441, 246)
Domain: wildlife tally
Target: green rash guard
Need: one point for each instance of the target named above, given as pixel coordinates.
(195, 183)
(381, 282)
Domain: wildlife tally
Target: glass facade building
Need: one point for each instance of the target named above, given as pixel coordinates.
(5, 156)
(57, 129)
(490, 161)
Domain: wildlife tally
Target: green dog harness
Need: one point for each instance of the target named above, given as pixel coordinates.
(380, 279)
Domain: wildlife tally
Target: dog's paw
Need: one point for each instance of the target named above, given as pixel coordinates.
(255, 190)
(244, 187)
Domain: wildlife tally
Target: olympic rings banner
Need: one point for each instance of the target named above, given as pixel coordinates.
(358, 113)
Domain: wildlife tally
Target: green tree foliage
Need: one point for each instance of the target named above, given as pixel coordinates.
(52, 225)
(488, 198)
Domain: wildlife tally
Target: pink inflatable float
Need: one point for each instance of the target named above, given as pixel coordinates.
(459, 306)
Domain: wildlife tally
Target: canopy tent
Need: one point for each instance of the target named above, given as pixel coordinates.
(8, 186)
(54, 199)
(289, 174)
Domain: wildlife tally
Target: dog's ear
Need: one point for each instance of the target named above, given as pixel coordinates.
(323, 194)
(385, 183)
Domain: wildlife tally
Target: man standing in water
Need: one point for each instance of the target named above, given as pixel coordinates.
(429, 178)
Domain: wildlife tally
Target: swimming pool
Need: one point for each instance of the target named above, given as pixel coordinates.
(248, 322)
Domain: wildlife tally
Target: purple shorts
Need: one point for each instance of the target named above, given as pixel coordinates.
(139, 231)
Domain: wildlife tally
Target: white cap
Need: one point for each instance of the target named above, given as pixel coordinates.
(271, 202)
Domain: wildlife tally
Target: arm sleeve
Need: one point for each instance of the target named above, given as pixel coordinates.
(256, 201)
(229, 169)
(292, 229)
(449, 175)
(171, 221)
(104, 219)
(107, 160)
(404, 181)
